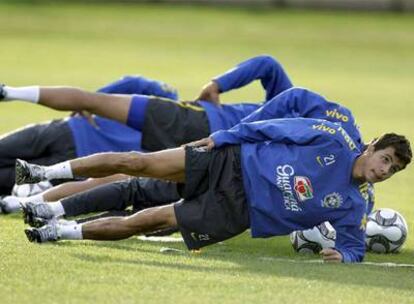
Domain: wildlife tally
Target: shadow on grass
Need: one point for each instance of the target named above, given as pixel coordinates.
(251, 258)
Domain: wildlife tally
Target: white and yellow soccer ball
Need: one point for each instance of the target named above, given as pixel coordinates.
(315, 239)
(27, 190)
(386, 231)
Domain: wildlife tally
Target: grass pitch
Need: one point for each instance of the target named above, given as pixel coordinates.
(362, 60)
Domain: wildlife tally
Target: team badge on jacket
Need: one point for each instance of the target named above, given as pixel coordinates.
(303, 188)
(333, 200)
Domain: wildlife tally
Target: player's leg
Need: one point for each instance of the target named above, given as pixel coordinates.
(166, 164)
(141, 193)
(73, 99)
(112, 228)
(70, 188)
(42, 144)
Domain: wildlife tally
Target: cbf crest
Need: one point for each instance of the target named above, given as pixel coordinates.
(333, 200)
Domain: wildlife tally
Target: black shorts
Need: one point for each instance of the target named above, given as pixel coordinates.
(43, 144)
(214, 207)
(169, 124)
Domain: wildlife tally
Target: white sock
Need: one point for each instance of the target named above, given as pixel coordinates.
(38, 198)
(12, 204)
(67, 222)
(30, 94)
(58, 171)
(70, 232)
(57, 208)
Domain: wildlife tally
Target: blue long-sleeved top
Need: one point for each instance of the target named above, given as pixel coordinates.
(282, 100)
(111, 135)
(264, 68)
(297, 173)
(296, 102)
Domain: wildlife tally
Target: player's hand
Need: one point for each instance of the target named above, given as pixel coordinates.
(331, 255)
(206, 143)
(89, 117)
(210, 92)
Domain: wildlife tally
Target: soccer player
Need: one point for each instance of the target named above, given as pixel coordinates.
(65, 139)
(272, 176)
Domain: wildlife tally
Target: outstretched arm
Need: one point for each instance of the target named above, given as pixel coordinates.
(265, 68)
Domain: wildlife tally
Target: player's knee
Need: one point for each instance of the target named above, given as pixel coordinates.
(129, 162)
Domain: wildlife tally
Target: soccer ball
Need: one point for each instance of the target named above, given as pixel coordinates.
(386, 231)
(27, 190)
(315, 239)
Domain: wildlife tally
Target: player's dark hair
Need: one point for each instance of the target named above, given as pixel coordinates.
(400, 144)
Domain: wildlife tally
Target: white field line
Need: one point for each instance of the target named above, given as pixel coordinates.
(162, 239)
(320, 261)
(168, 239)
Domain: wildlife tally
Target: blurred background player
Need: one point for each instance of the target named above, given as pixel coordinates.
(75, 136)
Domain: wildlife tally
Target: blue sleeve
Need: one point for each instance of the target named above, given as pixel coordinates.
(289, 131)
(294, 102)
(140, 85)
(350, 240)
(264, 68)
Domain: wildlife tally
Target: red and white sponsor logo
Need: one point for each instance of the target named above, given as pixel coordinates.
(303, 188)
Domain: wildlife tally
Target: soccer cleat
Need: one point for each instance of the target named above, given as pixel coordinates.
(48, 233)
(37, 215)
(2, 92)
(28, 173)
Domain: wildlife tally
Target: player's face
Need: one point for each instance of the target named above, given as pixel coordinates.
(381, 165)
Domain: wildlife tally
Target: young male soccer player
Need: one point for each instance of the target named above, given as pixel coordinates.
(273, 176)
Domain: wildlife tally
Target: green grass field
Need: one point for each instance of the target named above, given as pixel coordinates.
(363, 60)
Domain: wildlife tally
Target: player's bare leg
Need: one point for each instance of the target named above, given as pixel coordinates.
(111, 228)
(116, 228)
(63, 190)
(72, 99)
(166, 164)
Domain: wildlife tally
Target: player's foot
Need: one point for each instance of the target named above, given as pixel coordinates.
(48, 233)
(2, 92)
(28, 173)
(37, 215)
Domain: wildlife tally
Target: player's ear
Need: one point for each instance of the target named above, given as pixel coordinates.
(370, 148)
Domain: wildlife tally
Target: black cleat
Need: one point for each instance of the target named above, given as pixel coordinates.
(28, 173)
(32, 235)
(2, 92)
(45, 234)
(37, 215)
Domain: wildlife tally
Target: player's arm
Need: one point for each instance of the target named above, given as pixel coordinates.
(350, 239)
(140, 85)
(289, 130)
(264, 68)
(294, 102)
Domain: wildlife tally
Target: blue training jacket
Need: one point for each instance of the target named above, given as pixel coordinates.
(282, 100)
(297, 174)
(111, 136)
